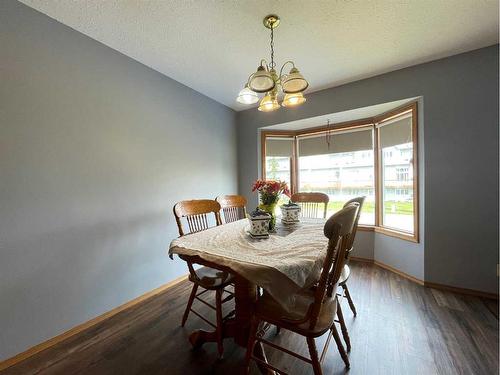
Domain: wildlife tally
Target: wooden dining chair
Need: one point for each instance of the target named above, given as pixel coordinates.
(196, 213)
(310, 204)
(233, 207)
(316, 308)
(346, 271)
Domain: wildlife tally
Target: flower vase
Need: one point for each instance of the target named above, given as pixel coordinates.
(271, 209)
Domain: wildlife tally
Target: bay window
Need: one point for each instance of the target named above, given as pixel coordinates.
(375, 158)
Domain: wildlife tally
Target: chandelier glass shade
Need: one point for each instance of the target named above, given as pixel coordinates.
(269, 102)
(266, 80)
(293, 100)
(247, 96)
(261, 81)
(293, 82)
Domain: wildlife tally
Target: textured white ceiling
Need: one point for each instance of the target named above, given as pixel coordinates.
(212, 46)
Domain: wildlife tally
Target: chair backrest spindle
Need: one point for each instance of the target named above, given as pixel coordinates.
(310, 203)
(233, 207)
(196, 214)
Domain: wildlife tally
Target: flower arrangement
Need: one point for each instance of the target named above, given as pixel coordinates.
(269, 193)
(270, 190)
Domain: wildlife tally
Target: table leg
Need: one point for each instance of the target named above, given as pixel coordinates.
(199, 337)
(245, 294)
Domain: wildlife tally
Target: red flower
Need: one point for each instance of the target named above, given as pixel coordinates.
(270, 190)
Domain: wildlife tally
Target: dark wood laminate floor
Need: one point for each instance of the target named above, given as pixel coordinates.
(401, 328)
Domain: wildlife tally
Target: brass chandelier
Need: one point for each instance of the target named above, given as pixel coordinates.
(266, 80)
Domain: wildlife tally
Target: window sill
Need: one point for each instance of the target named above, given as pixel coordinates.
(397, 234)
(389, 232)
(366, 228)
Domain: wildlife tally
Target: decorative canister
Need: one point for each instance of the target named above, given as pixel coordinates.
(290, 213)
(271, 210)
(259, 223)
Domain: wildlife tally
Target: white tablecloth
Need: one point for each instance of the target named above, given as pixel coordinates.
(282, 265)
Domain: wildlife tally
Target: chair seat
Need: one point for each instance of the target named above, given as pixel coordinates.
(271, 311)
(211, 278)
(346, 272)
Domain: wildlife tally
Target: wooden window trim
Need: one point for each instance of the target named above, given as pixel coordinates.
(368, 123)
(380, 227)
(407, 236)
(366, 228)
(294, 177)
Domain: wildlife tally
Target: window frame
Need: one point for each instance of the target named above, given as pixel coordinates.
(372, 123)
(293, 162)
(379, 225)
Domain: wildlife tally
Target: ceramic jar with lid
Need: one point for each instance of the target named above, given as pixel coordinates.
(259, 223)
(290, 213)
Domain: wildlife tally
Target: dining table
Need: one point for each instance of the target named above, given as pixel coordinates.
(289, 260)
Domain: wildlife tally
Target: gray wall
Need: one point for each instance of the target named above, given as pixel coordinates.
(95, 148)
(403, 255)
(364, 245)
(460, 144)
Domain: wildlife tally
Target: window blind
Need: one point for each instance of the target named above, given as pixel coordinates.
(339, 142)
(279, 147)
(396, 132)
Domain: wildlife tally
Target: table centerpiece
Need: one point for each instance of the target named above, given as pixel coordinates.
(270, 192)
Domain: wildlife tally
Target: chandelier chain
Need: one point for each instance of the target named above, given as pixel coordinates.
(273, 64)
